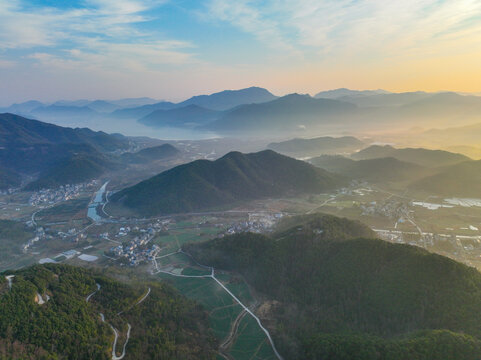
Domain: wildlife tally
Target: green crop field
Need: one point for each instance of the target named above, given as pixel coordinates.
(250, 341)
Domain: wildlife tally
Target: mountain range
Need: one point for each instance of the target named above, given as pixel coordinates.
(431, 172)
(230, 180)
(291, 112)
(256, 111)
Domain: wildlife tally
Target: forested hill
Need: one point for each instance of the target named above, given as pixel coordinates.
(17, 131)
(236, 177)
(419, 156)
(150, 154)
(373, 170)
(45, 315)
(333, 295)
(317, 146)
(73, 170)
(463, 180)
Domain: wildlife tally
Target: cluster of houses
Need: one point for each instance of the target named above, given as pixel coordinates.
(39, 235)
(63, 193)
(392, 208)
(9, 191)
(138, 250)
(256, 223)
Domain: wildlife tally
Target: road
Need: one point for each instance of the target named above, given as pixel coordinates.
(245, 308)
(143, 298)
(225, 346)
(114, 356)
(92, 294)
(115, 331)
(320, 206)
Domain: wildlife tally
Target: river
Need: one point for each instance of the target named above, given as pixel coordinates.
(92, 211)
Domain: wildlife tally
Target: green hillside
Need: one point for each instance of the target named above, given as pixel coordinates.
(374, 170)
(164, 326)
(334, 295)
(9, 178)
(30, 146)
(13, 234)
(461, 180)
(236, 177)
(150, 154)
(17, 131)
(74, 170)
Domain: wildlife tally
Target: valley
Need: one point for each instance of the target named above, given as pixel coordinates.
(240, 180)
(141, 208)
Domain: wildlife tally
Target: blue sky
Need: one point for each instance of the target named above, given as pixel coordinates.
(174, 49)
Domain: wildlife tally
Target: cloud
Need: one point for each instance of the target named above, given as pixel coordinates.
(101, 31)
(6, 64)
(249, 18)
(363, 28)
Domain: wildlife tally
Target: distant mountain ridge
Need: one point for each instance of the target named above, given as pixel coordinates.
(278, 115)
(189, 115)
(458, 180)
(343, 92)
(229, 99)
(149, 154)
(317, 146)
(234, 178)
(374, 170)
(420, 156)
(141, 111)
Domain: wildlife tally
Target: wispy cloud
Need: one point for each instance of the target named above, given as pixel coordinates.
(253, 19)
(100, 33)
(347, 27)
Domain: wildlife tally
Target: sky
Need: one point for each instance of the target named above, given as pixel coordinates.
(173, 49)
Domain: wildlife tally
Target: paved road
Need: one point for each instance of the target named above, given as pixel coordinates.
(92, 294)
(115, 331)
